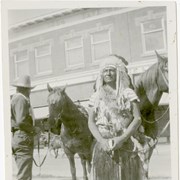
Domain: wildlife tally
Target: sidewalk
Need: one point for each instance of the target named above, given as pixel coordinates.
(58, 169)
(160, 163)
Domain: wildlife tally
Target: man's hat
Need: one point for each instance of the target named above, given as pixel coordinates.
(23, 81)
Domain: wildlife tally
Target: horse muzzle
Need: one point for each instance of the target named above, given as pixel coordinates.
(54, 126)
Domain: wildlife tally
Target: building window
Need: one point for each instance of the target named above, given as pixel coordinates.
(21, 61)
(43, 59)
(74, 52)
(100, 45)
(153, 35)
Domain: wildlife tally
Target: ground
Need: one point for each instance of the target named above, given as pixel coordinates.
(58, 169)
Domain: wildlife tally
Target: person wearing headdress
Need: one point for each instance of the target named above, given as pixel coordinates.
(114, 118)
(22, 127)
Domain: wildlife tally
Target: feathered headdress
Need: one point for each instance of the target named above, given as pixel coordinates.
(123, 80)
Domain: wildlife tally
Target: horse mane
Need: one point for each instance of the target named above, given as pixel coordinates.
(55, 98)
(78, 108)
(147, 85)
(149, 76)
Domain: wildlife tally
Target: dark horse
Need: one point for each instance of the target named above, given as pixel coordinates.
(149, 88)
(67, 119)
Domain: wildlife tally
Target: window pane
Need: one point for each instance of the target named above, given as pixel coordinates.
(44, 64)
(43, 50)
(75, 57)
(152, 25)
(74, 42)
(22, 68)
(101, 50)
(154, 41)
(21, 55)
(100, 36)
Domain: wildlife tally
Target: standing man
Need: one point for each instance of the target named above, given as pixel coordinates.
(114, 119)
(22, 128)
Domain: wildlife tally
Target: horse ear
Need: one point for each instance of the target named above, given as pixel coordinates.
(64, 88)
(160, 58)
(49, 87)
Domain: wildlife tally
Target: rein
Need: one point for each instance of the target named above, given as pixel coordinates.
(59, 116)
(156, 141)
(156, 120)
(41, 163)
(150, 146)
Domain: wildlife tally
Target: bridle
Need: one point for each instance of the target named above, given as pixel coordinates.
(44, 158)
(163, 76)
(158, 119)
(59, 116)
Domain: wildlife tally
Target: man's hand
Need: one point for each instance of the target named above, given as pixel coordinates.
(105, 145)
(117, 142)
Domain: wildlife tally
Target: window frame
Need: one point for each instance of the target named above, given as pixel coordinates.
(66, 49)
(49, 53)
(109, 40)
(143, 33)
(17, 62)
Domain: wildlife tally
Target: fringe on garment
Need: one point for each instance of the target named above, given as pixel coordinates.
(120, 166)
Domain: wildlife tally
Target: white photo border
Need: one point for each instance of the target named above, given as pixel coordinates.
(172, 54)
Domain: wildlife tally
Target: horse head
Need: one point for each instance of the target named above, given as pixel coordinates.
(56, 102)
(163, 73)
(153, 82)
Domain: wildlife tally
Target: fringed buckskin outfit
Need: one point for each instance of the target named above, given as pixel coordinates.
(113, 116)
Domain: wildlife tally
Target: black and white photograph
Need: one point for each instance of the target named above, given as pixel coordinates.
(90, 90)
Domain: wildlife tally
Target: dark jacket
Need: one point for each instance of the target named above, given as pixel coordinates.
(20, 114)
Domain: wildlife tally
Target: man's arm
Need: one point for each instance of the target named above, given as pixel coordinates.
(21, 109)
(131, 129)
(94, 130)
